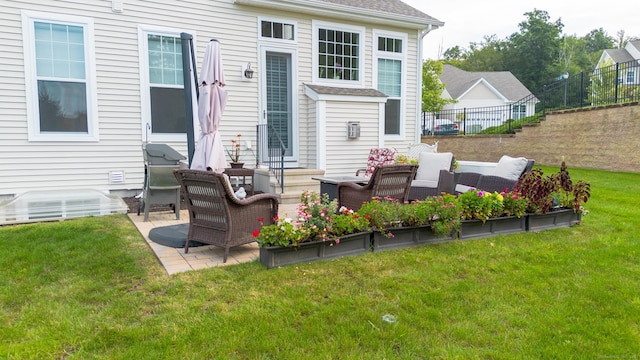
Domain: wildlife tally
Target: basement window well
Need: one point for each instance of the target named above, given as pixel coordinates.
(33, 206)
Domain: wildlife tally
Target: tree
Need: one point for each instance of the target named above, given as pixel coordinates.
(432, 87)
(533, 51)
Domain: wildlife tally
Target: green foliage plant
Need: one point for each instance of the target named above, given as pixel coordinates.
(348, 222)
(383, 213)
(513, 204)
(480, 205)
(446, 214)
(315, 216)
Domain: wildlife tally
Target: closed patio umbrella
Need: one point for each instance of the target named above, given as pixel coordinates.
(209, 151)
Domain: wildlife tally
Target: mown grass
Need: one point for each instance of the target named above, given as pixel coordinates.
(90, 288)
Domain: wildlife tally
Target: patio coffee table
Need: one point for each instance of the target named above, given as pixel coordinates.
(329, 184)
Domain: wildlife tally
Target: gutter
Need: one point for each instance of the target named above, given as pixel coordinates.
(420, 60)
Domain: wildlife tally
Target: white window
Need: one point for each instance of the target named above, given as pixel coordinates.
(338, 54)
(162, 85)
(60, 77)
(519, 111)
(277, 29)
(390, 54)
(631, 77)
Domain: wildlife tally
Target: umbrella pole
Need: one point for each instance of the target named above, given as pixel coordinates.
(188, 56)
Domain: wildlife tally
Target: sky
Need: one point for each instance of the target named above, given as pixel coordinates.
(471, 20)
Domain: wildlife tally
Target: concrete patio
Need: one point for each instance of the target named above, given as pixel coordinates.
(174, 260)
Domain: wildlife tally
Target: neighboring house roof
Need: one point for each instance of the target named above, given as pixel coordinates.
(458, 82)
(393, 12)
(619, 55)
(629, 53)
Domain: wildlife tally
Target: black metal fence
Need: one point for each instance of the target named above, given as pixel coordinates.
(615, 84)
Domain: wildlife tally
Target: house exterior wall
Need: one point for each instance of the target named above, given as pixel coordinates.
(49, 165)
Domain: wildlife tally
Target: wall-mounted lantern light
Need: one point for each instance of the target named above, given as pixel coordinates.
(247, 72)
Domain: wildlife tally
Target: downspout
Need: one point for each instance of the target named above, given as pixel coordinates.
(421, 35)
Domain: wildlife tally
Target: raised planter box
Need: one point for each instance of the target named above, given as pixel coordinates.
(556, 218)
(471, 229)
(276, 256)
(402, 237)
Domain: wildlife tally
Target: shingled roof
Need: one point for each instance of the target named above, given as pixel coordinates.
(386, 6)
(459, 81)
(392, 12)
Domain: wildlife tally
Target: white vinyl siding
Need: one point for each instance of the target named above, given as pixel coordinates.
(60, 77)
(123, 105)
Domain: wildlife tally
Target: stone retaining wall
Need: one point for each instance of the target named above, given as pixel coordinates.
(606, 138)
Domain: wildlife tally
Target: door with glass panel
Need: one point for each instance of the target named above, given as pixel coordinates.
(278, 98)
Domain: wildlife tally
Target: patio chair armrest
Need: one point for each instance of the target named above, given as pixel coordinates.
(352, 195)
(446, 182)
(468, 178)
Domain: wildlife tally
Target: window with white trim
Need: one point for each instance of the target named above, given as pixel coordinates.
(277, 30)
(339, 56)
(164, 83)
(60, 77)
(390, 57)
(519, 111)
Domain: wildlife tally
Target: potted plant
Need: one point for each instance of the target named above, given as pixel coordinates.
(490, 213)
(438, 215)
(234, 154)
(314, 235)
(553, 200)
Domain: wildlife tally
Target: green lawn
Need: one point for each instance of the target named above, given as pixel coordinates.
(91, 288)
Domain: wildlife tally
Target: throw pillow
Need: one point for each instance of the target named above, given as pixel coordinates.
(379, 157)
(509, 167)
(430, 164)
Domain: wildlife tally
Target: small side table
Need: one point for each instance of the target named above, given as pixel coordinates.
(242, 174)
(329, 185)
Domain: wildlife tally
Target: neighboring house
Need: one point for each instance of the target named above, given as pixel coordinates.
(477, 91)
(629, 56)
(86, 82)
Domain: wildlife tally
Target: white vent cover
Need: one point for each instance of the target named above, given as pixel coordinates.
(116, 177)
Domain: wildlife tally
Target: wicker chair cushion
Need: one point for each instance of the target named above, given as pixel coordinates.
(510, 168)
(430, 164)
(379, 157)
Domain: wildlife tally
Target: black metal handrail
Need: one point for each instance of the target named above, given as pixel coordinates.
(271, 151)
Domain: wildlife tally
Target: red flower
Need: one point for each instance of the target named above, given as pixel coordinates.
(256, 233)
(276, 218)
(260, 219)
(367, 217)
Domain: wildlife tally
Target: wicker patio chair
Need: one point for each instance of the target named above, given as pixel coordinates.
(498, 181)
(387, 180)
(216, 216)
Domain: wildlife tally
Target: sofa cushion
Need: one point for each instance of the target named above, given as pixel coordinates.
(509, 167)
(430, 164)
(424, 183)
